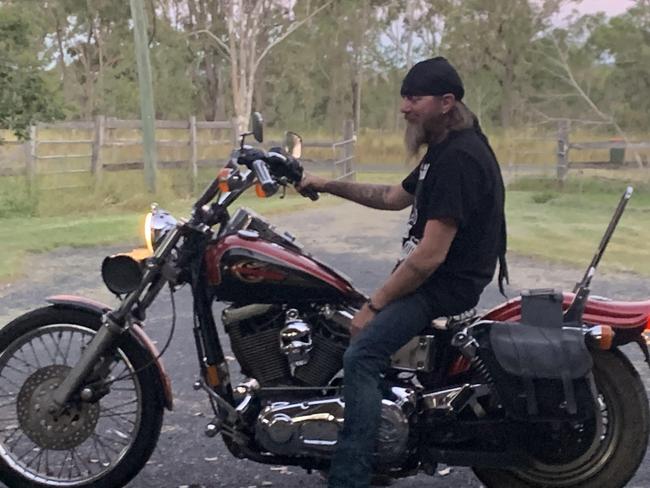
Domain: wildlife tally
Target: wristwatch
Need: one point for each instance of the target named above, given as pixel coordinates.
(372, 307)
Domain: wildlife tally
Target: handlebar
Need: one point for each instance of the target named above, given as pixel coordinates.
(264, 177)
(273, 165)
(208, 194)
(268, 169)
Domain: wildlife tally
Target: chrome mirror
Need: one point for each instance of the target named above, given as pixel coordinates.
(293, 144)
(258, 126)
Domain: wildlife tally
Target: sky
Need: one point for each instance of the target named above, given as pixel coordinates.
(610, 7)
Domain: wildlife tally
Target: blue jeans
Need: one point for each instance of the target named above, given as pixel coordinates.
(363, 362)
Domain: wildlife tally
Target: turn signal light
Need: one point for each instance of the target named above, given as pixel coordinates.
(212, 375)
(259, 191)
(223, 177)
(647, 324)
(602, 336)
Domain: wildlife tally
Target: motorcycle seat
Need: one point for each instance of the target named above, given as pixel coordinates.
(453, 321)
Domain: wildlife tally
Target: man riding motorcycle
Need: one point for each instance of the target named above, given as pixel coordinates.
(455, 236)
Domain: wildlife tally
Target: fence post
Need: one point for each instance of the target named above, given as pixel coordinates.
(30, 158)
(348, 149)
(98, 142)
(235, 131)
(563, 129)
(193, 154)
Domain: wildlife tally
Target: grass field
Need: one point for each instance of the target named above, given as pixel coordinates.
(20, 236)
(567, 227)
(544, 221)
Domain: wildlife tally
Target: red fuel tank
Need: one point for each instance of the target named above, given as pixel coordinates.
(250, 269)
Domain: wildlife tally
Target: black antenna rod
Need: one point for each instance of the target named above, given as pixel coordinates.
(574, 312)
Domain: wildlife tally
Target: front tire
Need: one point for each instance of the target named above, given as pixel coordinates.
(101, 443)
(617, 449)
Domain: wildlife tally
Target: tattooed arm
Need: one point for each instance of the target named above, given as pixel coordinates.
(383, 197)
(429, 254)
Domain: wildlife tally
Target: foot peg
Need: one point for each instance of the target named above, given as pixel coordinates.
(213, 428)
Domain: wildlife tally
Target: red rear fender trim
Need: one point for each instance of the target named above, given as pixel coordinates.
(617, 314)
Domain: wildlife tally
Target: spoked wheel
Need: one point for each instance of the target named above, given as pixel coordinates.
(99, 441)
(602, 453)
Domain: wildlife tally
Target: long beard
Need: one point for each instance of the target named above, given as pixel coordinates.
(420, 134)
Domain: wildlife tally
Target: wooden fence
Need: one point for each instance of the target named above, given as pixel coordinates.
(204, 144)
(618, 149)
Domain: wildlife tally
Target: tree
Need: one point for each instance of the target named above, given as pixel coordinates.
(253, 28)
(623, 44)
(495, 36)
(24, 94)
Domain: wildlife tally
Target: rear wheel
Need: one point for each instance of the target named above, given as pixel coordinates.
(103, 442)
(604, 453)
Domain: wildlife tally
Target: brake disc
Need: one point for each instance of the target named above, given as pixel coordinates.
(64, 429)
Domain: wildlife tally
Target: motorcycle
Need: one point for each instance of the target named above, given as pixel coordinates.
(533, 393)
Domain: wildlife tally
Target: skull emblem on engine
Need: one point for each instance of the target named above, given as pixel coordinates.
(295, 340)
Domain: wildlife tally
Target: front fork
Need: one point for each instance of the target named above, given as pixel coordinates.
(115, 323)
(214, 368)
(103, 340)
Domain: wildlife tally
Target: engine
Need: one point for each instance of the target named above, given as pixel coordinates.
(282, 347)
(279, 347)
(310, 428)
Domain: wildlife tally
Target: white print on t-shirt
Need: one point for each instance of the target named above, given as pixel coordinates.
(408, 247)
(413, 218)
(424, 169)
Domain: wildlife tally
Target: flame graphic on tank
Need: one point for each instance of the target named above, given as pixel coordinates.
(250, 271)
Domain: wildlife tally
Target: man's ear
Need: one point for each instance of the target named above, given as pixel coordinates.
(448, 102)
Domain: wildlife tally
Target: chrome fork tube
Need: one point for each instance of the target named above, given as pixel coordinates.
(100, 343)
(113, 325)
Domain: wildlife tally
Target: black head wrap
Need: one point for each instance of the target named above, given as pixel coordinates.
(435, 76)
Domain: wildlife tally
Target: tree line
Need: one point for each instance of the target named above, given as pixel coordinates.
(310, 64)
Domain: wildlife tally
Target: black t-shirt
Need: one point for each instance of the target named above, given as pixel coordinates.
(459, 179)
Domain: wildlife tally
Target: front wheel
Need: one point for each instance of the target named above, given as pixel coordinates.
(604, 453)
(99, 443)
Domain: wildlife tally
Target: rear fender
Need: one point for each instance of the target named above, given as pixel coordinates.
(98, 308)
(629, 320)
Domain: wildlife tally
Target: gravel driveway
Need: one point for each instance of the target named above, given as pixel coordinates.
(363, 244)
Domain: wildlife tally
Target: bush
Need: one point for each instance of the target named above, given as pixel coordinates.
(15, 199)
(543, 197)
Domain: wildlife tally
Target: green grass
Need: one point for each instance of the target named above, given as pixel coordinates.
(544, 221)
(567, 225)
(23, 235)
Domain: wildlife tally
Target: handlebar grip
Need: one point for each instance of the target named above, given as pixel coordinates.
(311, 194)
(264, 177)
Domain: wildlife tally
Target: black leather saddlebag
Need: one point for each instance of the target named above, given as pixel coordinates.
(540, 373)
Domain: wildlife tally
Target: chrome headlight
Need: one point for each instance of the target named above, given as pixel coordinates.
(156, 224)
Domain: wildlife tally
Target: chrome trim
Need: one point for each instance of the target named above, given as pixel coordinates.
(341, 317)
(415, 355)
(311, 428)
(443, 400)
(231, 315)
